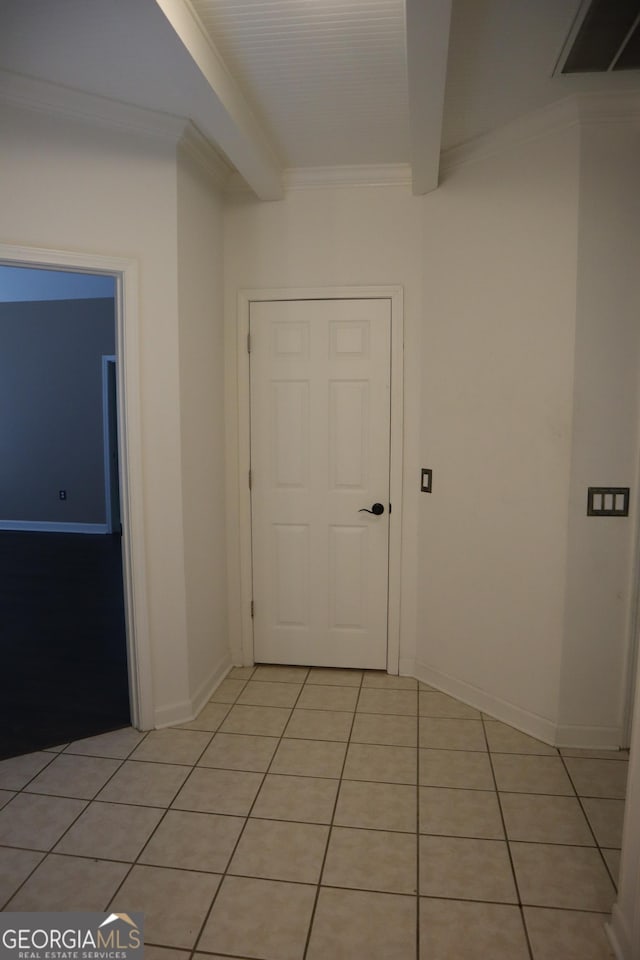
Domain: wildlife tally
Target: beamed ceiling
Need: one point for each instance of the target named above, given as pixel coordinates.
(281, 85)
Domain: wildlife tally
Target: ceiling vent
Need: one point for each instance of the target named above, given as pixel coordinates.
(605, 37)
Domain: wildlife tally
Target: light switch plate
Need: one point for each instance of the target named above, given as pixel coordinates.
(608, 502)
(426, 480)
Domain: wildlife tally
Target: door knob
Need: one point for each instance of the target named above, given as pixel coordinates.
(376, 509)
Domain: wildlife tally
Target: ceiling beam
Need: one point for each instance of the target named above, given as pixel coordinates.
(219, 109)
(428, 23)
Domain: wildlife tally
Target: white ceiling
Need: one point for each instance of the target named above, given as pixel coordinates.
(278, 84)
(328, 78)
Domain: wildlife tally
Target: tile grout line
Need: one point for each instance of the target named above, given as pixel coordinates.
(225, 873)
(123, 760)
(586, 816)
(354, 714)
(169, 807)
(133, 863)
(37, 774)
(192, 950)
(49, 852)
(165, 809)
(314, 907)
(507, 844)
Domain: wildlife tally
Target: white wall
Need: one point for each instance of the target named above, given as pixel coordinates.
(201, 332)
(488, 268)
(604, 438)
(495, 266)
(499, 271)
(67, 185)
(329, 237)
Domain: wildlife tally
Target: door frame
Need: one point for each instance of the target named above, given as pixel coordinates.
(125, 274)
(108, 361)
(394, 294)
(633, 639)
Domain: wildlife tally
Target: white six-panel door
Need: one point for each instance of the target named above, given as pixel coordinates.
(320, 434)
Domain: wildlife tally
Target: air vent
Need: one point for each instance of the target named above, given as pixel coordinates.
(605, 37)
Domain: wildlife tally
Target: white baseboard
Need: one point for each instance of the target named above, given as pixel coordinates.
(588, 738)
(618, 935)
(186, 710)
(208, 687)
(172, 714)
(45, 526)
(534, 725)
(406, 668)
(557, 735)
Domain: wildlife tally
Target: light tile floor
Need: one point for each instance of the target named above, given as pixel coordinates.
(323, 815)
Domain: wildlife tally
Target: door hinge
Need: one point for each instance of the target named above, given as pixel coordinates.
(248, 343)
(252, 609)
(249, 479)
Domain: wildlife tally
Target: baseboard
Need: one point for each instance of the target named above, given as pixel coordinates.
(172, 714)
(406, 668)
(208, 687)
(588, 738)
(529, 723)
(618, 935)
(45, 526)
(186, 710)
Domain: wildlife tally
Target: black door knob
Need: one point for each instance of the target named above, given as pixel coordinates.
(376, 509)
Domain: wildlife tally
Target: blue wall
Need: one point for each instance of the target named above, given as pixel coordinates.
(25, 283)
(51, 433)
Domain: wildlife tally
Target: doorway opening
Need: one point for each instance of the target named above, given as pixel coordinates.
(90, 622)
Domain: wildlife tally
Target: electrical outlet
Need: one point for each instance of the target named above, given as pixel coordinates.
(62, 494)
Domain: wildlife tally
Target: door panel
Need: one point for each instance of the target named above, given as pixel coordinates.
(347, 560)
(320, 432)
(348, 417)
(291, 574)
(290, 419)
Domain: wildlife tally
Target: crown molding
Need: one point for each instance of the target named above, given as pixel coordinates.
(574, 110)
(539, 123)
(64, 101)
(210, 160)
(57, 100)
(67, 102)
(621, 107)
(348, 175)
(368, 175)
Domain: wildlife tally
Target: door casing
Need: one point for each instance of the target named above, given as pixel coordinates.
(395, 295)
(109, 435)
